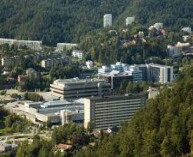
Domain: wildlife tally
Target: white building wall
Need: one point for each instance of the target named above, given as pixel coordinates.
(107, 20)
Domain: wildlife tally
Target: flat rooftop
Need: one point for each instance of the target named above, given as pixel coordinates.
(76, 80)
(116, 97)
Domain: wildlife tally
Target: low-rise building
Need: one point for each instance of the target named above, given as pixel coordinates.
(58, 111)
(5, 147)
(35, 45)
(10, 61)
(106, 112)
(174, 51)
(187, 29)
(77, 54)
(48, 63)
(64, 147)
(68, 46)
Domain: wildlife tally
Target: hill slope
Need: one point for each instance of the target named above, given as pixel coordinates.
(54, 20)
(65, 20)
(163, 128)
(173, 13)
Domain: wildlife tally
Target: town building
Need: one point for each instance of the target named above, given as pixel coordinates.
(135, 73)
(32, 73)
(152, 92)
(107, 20)
(106, 112)
(51, 62)
(174, 51)
(74, 88)
(138, 72)
(10, 61)
(115, 78)
(65, 46)
(157, 73)
(35, 45)
(160, 73)
(57, 111)
(129, 20)
(5, 147)
(187, 29)
(64, 147)
(77, 54)
(89, 64)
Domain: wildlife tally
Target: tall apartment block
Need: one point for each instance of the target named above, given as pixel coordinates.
(105, 112)
(107, 20)
(74, 88)
(157, 73)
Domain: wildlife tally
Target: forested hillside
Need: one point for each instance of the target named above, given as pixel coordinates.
(163, 128)
(54, 20)
(173, 13)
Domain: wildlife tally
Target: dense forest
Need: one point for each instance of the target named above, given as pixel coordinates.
(163, 128)
(173, 13)
(66, 21)
(54, 20)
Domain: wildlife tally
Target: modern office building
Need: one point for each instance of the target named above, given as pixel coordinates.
(107, 20)
(106, 112)
(161, 73)
(135, 73)
(58, 111)
(157, 73)
(139, 72)
(74, 88)
(129, 20)
(35, 45)
(115, 79)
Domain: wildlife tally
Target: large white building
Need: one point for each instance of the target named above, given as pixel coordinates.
(106, 112)
(107, 20)
(147, 72)
(35, 45)
(74, 88)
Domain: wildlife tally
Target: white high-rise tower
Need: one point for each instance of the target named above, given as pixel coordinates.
(107, 20)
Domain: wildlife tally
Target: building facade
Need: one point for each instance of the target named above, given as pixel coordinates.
(67, 46)
(107, 20)
(74, 88)
(106, 112)
(35, 45)
(10, 61)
